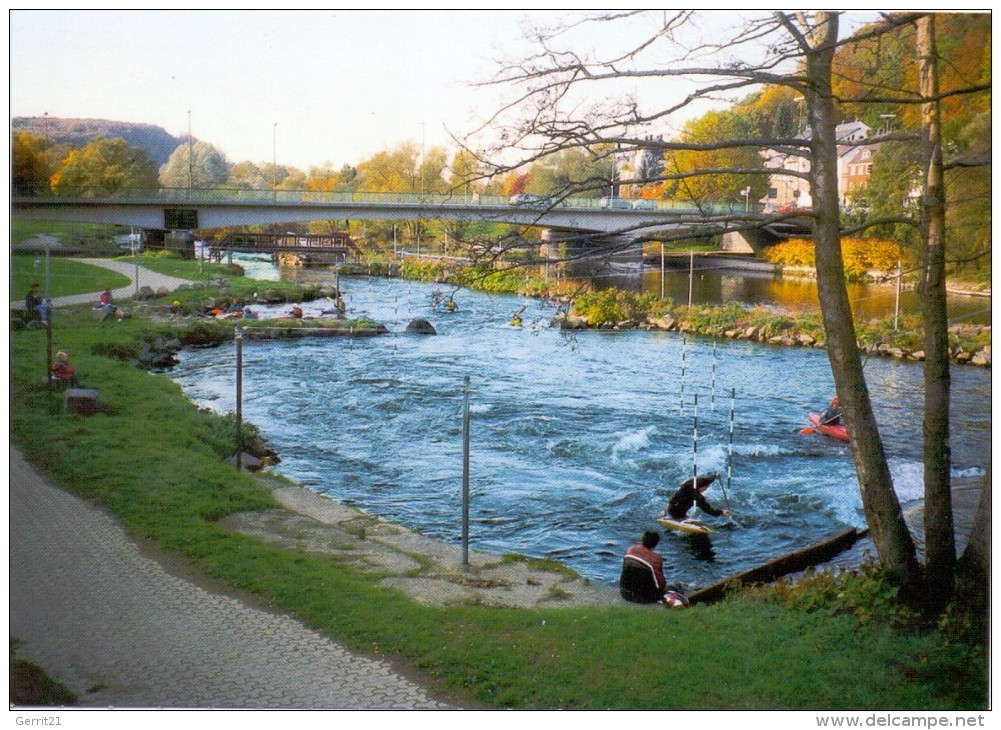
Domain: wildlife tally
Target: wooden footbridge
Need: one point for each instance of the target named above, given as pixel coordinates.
(311, 247)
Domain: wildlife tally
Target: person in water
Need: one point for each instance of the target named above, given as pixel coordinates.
(832, 414)
(689, 494)
(642, 578)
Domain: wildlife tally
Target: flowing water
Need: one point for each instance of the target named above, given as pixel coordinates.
(576, 441)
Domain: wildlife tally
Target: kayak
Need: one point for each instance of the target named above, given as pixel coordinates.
(835, 431)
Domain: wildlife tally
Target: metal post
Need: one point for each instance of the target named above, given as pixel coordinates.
(691, 276)
(681, 402)
(135, 257)
(238, 337)
(465, 474)
(661, 269)
(896, 302)
(47, 308)
(191, 161)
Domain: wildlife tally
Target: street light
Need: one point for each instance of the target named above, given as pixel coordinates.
(274, 160)
(191, 160)
(746, 192)
(238, 338)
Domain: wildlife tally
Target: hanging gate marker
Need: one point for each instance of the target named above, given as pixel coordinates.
(712, 402)
(681, 401)
(729, 453)
(695, 440)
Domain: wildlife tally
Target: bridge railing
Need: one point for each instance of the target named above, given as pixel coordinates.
(222, 195)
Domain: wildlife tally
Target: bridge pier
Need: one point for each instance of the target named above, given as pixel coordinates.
(182, 241)
(584, 255)
(750, 240)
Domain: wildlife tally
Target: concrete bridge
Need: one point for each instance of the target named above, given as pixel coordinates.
(590, 221)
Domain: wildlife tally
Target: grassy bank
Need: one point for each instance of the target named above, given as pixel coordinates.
(157, 462)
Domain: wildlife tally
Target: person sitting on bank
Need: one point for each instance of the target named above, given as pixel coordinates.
(106, 300)
(34, 306)
(642, 578)
(832, 414)
(296, 312)
(62, 371)
(690, 494)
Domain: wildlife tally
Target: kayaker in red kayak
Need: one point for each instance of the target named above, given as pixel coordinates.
(832, 415)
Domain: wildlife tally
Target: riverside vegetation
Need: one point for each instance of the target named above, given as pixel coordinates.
(829, 641)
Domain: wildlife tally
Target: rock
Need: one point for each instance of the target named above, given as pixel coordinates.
(162, 292)
(421, 326)
(273, 296)
(100, 314)
(666, 322)
(573, 322)
(145, 292)
(749, 334)
(982, 358)
(81, 401)
(806, 340)
(917, 355)
(963, 356)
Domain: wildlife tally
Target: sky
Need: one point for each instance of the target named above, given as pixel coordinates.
(303, 87)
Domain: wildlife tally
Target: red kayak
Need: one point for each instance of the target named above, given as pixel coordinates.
(835, 431)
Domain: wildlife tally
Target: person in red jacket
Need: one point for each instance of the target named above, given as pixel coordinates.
(62, 371)
(642, 579)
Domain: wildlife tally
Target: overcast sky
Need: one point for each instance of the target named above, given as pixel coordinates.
(339, 85)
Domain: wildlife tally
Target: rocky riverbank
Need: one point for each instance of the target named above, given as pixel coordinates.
(790, 336)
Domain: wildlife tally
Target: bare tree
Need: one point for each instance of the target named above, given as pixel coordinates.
(552, 113)
(940, 550)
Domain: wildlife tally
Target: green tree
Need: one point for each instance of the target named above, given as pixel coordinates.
(579, 171)
(104, 167)
(198, 165)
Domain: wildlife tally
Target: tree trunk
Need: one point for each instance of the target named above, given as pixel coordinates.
(974, 569)
(940, 541)
(894, 546)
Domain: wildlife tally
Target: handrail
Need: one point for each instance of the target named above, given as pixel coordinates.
(305, 198)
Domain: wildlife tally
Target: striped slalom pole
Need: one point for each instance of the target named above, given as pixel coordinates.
(695, 438)
(712, 402)
(729, 453)
(681, 402)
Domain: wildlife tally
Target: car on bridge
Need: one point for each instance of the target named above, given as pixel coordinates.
(619, 203)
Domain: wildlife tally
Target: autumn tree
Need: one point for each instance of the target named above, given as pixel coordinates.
(104, 168)
(690, 169)
(29, 166)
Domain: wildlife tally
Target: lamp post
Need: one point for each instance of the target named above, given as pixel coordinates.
(238, 339)
(191, 158)
(746, 192)
(274, 160)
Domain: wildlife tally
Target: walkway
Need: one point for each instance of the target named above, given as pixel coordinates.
(146, 277)
(120, 631)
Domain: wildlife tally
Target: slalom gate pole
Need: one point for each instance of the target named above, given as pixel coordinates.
(681, 402)
(695, 439)
(729, 453)
(712, 402)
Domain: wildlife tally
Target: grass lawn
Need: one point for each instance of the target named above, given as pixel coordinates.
(749, 652)
(65, 276)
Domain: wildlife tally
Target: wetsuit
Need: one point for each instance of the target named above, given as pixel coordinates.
(642, 579)
(686, 496)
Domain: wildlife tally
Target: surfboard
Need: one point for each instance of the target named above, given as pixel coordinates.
(691, 527)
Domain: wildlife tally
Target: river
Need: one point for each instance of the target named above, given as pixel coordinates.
(576, 440)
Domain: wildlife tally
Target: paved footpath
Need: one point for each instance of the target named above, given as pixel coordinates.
(120, 631)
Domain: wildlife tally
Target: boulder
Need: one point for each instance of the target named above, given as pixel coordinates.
(146, 292)
(421, 326)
